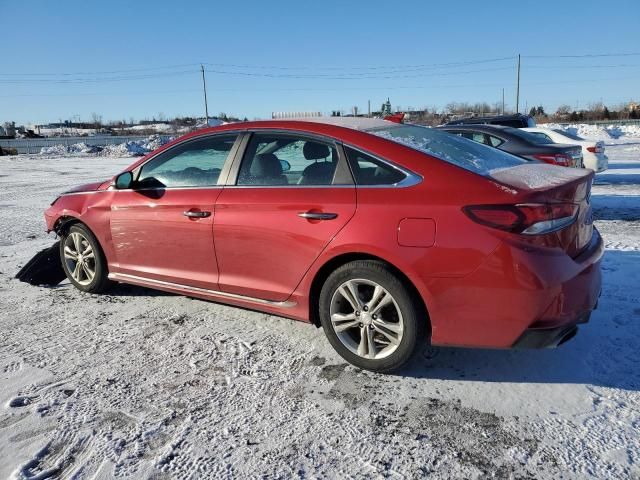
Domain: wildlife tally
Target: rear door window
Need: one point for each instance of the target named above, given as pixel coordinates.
(287, 160)
(495, 141)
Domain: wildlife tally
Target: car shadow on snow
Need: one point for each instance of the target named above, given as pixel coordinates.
(621, 166)
(618, 179)
(606, 351)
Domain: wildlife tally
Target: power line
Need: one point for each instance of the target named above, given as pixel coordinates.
(632, 65)
(346, 76)
(109, 72)
(264, 67)
(350, 76)
(247, 70)
(97, 79)
(322, 89)
(586, 55)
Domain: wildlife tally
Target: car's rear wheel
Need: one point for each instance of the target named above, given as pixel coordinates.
(369, 316)
(83, 260)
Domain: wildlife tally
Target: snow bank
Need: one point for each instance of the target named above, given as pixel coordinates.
(75, 148)
(597, 132)
(127, 149)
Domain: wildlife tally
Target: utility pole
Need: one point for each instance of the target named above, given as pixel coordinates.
(518, 88)
(369, 108)
(204, 89)
(503, 101)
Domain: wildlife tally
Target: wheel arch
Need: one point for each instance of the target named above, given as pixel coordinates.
(62, 224)
(332, 264)
(65, 222)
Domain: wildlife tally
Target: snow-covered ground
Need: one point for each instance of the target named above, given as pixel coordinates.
(140, 383)
(129, 148)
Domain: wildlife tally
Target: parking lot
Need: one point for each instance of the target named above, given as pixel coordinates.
(139, 383)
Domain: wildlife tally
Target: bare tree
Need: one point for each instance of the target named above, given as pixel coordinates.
(96, 120)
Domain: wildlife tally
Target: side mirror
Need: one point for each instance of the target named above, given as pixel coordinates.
(286, 166)
(124, 180)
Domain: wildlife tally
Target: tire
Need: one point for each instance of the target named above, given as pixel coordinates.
(91, 257)
(393, 322)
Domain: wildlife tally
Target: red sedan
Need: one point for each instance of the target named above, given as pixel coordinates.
(389, 236)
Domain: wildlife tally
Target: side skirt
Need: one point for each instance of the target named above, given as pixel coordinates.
(182, 289)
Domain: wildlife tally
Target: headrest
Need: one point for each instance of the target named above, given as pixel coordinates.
(266, 165)
(318, 173)
(315, 151)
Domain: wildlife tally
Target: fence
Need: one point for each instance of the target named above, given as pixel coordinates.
(34, 145)
(603, 123)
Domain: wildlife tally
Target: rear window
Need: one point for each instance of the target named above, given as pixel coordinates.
(453, 149)
(564, 133)
(529, 137)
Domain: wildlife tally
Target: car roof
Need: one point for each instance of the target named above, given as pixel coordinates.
(354, 123)
(476, 126)
(352, 129)
(490, 118)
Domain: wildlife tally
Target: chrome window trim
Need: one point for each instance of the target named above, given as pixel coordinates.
(64, 194)
(155, 189)
(234, 296)
(289, 187)
(410, 179)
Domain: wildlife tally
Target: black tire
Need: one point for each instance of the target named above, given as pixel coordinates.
(413, 317)
(100, 281)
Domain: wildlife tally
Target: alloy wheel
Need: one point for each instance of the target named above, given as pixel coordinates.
(366, 319)
(79, 258)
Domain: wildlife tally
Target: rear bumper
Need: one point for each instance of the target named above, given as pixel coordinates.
(519, 299)
(549, 337)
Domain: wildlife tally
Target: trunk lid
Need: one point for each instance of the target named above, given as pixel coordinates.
(557, 185)
(558, 154)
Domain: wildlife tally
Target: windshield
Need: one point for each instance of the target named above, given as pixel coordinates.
(459, 151)
(568, 135)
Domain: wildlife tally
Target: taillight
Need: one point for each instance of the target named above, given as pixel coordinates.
(525, 219)
(557, 159)
(596, 149)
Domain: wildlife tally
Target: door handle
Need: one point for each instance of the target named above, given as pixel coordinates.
(196, 214)
(318, 215)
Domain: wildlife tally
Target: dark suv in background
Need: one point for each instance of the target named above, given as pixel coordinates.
(521, 143)
(516, 121)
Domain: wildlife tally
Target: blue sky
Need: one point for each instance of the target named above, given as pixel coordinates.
(307, 56)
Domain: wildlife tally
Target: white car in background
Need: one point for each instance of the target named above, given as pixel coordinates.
(593, 156)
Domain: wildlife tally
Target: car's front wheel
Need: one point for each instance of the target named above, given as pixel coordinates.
(369, 316)
(83, 260)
